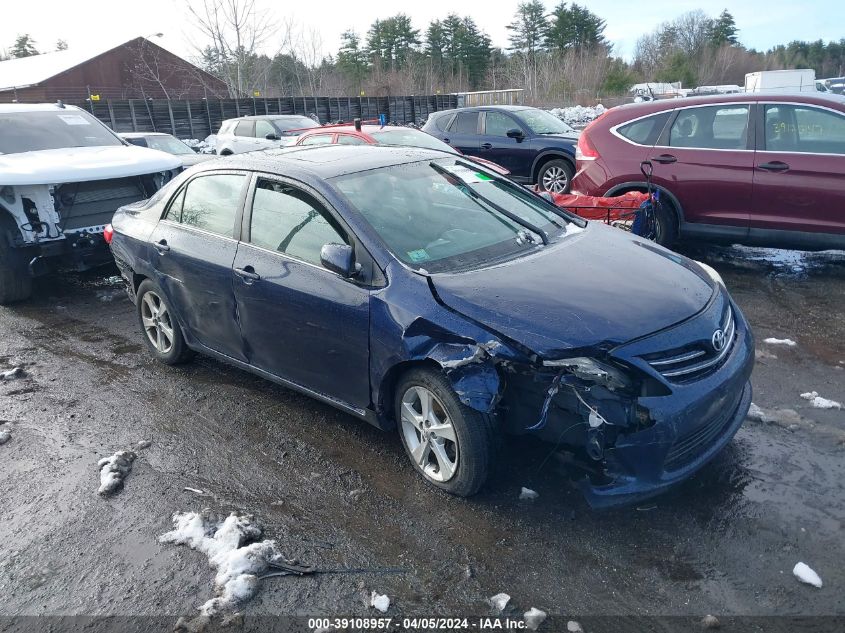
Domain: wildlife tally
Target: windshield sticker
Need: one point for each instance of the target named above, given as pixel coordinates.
(419, 255)
(74, 119)
(467, 175)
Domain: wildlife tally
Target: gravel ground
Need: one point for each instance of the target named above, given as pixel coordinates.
(337, 493)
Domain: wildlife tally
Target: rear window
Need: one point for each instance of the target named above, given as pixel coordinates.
(645, 131)
(244, 128)
(407, 137)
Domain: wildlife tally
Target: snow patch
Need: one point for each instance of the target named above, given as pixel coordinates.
(205, 146)
(500, 601)
(13, 374)
(534, 617)
(820, 403)
(756, 413)
(573, 626)
(526, 494)
(579, 115)
(780, 341)
(232, 549)
(803, 573)
(113, 470)
(379, 602)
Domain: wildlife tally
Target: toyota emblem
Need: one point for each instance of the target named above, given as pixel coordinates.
(719, 340)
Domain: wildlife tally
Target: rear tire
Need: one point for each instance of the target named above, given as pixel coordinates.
(451, 445)
(665, 223)
(159, 326)
(15, 280)
(555, 176)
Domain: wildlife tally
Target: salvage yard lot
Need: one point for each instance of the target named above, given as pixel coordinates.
(337, 493)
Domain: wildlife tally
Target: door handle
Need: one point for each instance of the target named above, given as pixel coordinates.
(247, 273)
(486, 146)
(775, 165)
(162, 246)
(665, 159)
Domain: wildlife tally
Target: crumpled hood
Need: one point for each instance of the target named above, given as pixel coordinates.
(82, 164)
(597, 286)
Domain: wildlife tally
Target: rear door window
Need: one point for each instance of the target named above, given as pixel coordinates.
(244, 128)
(465, 123)
(290, 221)
(711, 127)
(645, 131)
(209, 203)
(804, 129)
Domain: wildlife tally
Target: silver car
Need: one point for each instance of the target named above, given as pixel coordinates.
(251, 133)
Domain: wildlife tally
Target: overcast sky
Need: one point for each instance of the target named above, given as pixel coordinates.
(97, 24)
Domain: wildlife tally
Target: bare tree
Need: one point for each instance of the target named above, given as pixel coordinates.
(234, 31)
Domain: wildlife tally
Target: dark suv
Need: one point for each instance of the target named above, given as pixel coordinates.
(534, 145)
(751, 168)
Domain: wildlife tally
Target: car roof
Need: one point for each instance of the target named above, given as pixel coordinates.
(324, 161)
(633, 110)
(142, 134)
(34, 107)
(350, 129)
(267, 117)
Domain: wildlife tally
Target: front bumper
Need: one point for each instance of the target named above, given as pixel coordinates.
(691, 426)
(80, 251)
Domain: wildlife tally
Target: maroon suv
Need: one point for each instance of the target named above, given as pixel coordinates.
(757, 169)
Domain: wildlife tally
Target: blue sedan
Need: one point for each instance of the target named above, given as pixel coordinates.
(419, 291)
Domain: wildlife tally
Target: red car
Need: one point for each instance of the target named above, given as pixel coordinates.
(750, 168)
(367, 134)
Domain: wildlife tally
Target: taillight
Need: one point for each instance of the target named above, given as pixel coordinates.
(585, 150)
(108, 233)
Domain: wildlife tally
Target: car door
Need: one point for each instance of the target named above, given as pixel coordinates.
(193, 252)
(706, 159)
(300, 321)
(243, 137)
(800, 169)
(513, 154)
(462, 133)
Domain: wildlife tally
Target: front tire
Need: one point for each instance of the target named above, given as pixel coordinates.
(451, 445)
(160, 327)
(15, 280)
(555, 176)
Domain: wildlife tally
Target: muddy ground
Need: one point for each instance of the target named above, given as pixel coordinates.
(725, 542)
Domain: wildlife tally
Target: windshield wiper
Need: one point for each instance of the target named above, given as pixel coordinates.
(508, 214)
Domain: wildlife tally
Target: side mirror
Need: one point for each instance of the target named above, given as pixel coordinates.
(515, 133)
(272, 137)
(339, 259)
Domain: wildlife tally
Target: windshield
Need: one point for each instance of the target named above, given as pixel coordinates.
(542, 122)
(168, 144)
(411, 138)
(294, 123)
(444, 216)
(35, 131)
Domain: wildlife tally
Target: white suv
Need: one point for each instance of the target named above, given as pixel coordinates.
(63, 174)
(251, 133)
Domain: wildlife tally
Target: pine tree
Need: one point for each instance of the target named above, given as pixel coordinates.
(352, 58)
(573, 28)
(24, 47)
(724, 30)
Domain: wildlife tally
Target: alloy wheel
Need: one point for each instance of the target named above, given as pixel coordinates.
(158, 325)
(555, 180)
(429, 434)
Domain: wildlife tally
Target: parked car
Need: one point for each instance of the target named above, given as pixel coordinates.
(62, 176)
(251, 133)
(750, 168)
(394, 135)
(533, 145)
(420, 292)
(167, 143)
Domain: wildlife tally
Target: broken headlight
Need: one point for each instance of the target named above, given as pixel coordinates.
(592, 370)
